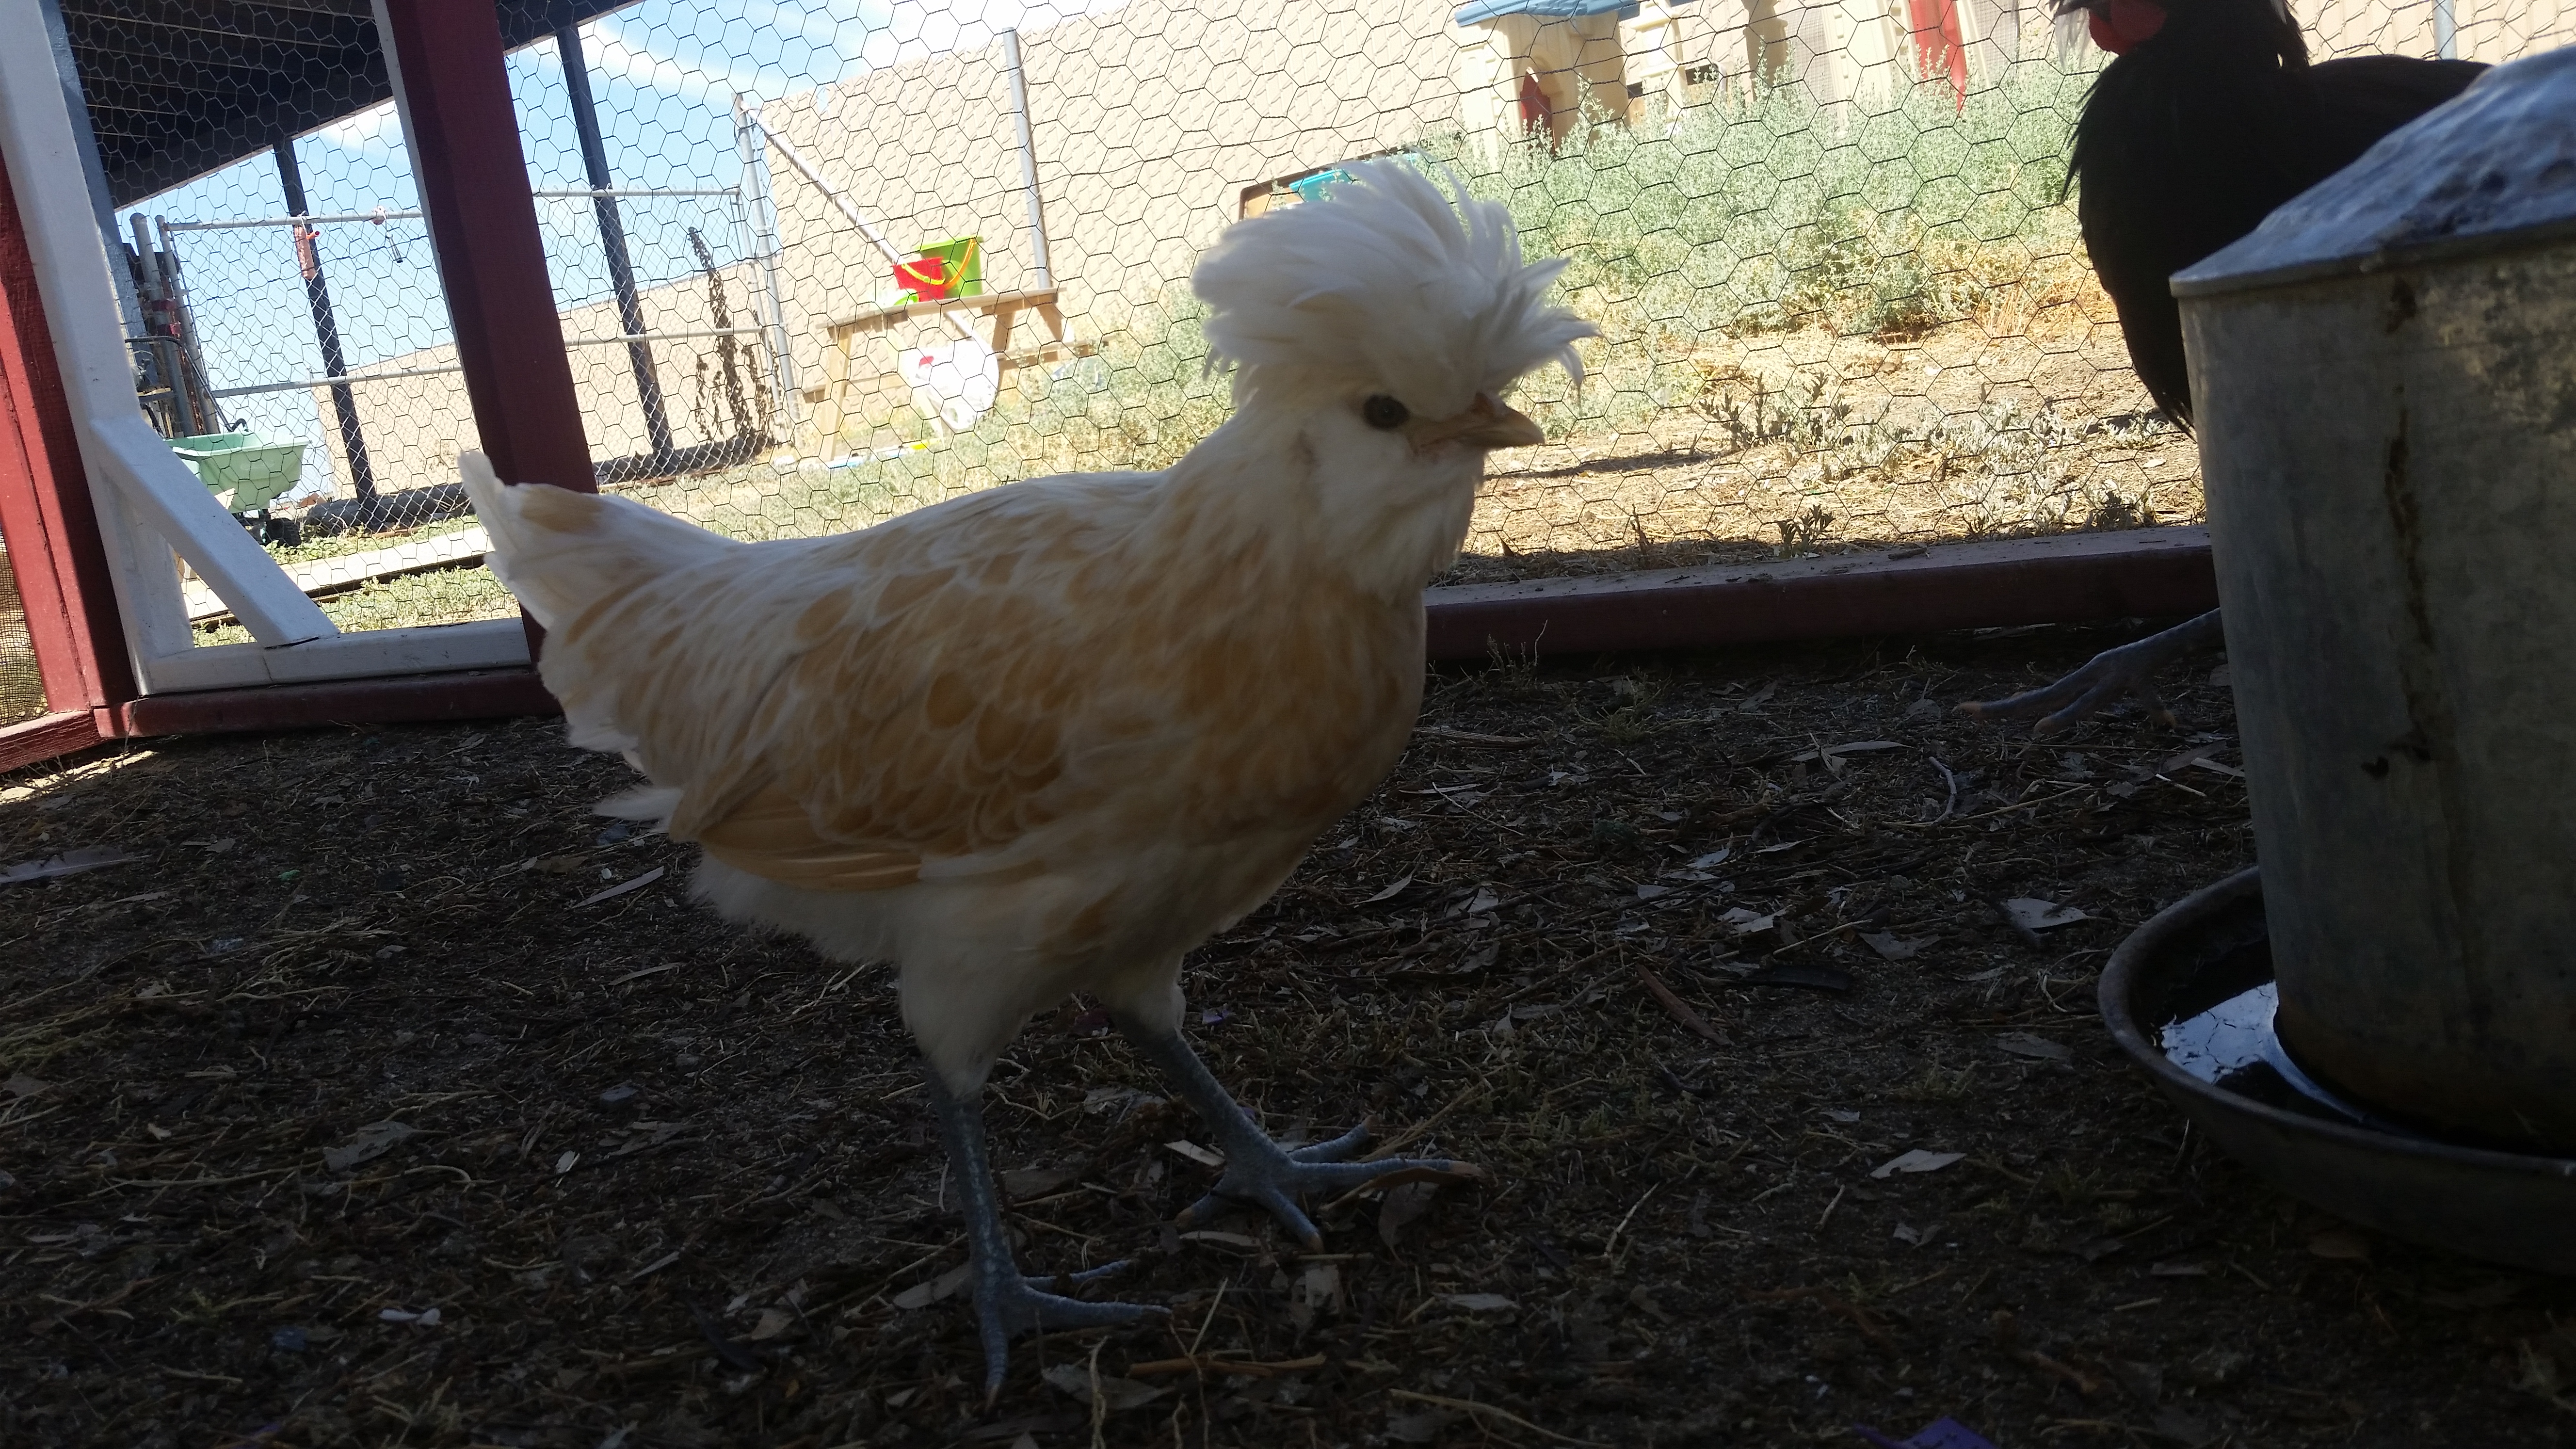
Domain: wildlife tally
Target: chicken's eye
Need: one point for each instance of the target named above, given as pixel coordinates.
(1382, 412)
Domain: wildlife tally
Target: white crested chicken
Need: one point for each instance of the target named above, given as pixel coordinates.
(2208, 118)
(1045, 738)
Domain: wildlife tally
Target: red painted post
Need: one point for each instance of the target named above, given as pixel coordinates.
(45, 507)
(450, 79)
(446, 61)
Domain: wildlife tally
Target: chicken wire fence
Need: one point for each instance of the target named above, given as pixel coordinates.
(22, 690)
(823, 262)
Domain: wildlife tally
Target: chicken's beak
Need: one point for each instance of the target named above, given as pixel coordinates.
(1488, 424)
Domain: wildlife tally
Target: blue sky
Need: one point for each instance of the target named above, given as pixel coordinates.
(664, 73)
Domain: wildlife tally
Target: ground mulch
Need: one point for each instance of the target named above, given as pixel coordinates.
(363, 1107)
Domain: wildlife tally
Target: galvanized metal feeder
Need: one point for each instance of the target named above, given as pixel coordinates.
(2385, 376)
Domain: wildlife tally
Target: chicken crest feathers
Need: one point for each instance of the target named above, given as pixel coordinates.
(1383, 280)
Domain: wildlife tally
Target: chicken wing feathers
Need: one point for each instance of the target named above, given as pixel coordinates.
(967, 691)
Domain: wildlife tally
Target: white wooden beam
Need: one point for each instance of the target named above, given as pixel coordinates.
(125, 459)
(363, 654)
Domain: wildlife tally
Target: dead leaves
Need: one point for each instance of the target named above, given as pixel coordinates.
(2035, 1047)
(1318, 1291)
(371, 1142)
(937, 1290)
(1024, 1184)
(1403, 1205)
(1891, 947)
(1213, 1363)
(1092, 1388)
(622, 888)
(2033, 914)
(1390, 892)
(1916, 1160)
(1742, 922)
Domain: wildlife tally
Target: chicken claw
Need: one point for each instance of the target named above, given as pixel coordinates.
(1259, 1171)
(2129, 669)
(1008, 1304)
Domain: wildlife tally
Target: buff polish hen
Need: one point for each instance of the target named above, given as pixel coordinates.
(1046, 738)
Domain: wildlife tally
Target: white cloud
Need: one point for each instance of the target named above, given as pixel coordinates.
(703, 79)
(373, 131)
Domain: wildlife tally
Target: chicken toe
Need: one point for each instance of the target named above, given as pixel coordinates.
(2129, 669)
(1008, 1304)
(1258, 1170)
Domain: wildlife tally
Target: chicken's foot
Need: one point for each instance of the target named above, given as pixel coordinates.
(1258, 1170)
(1008, 1304)
(2129, 669)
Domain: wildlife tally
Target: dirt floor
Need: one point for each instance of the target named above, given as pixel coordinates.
(362, 1106)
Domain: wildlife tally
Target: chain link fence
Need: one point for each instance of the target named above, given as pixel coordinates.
(821, 263)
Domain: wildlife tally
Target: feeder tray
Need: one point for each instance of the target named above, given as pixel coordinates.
(2187, 997)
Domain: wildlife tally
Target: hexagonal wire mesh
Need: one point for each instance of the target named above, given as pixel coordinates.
(823, 261)
(22, 690)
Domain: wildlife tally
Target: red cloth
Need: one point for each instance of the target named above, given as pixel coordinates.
(1535, 110)
(1940, 44)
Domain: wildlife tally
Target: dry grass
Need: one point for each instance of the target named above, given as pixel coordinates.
(1811, 442)
(669, 1183)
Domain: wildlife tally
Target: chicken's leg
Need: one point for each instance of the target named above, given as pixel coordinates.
(1007, 1304)
(1258, 1170)
(2131, 668)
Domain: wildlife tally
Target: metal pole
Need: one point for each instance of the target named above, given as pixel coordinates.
(1040, 270)
(317, 294)
(183, 412)
(760, 213)
(183, 316)
(612, 238)
(2446, 29)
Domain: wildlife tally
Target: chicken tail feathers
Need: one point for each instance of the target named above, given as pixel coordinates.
(563, 553)
(598, 572)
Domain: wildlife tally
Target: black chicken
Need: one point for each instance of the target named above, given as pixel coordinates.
(2208, 117)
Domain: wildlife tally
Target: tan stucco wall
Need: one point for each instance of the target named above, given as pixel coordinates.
(2490, 30)
(1152, 121)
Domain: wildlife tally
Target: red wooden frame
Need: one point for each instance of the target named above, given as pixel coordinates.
(51, 526)
(451, 73)
(477, 694)
(2059, 579)
(454, 83)
(455, 90)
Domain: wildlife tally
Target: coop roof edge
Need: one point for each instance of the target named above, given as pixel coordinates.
(1482, 10)
(144, 155)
